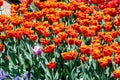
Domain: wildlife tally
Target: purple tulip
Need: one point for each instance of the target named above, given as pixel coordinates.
(37, 50)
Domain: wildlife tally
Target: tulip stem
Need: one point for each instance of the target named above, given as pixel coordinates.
(70, 65)
(28, 69)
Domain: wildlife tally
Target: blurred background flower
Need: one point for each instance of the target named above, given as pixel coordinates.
(3, 75)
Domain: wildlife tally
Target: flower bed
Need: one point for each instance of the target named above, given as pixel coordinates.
(65, 40)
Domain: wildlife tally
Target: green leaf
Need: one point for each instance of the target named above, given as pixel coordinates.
(12, 58)
(73, 73)
(119, 39)
(96, 76)
(27, 56)
(94, 65)
(56, 76)
(48, 75)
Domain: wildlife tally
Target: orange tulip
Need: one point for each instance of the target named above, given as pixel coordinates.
(100, 34)
(70, 41)
(116, 22)
(51, 65)
(45, 33)
(49, 49)
(107, 38)
(84, 49)
(116, 73)
(1, 47)
(91, 33)
(33, 37)
(23, 8)
(10, 33)
(97, 16)
(2, 37)
(93, 27)
(8, 27)
(15, 20)
(117, 59)
(27, 24)
(71, 32)
(117, 50)
(84, 22)
(78, 42)
(83, 58)
(114, 46)
(1, 28)
(57, 40)
(107, 51)
(62, 35)
(75, 26)
(107, 18)
(114, 34)
(81, 15)
(83, 7)
(83, 29)
(96, 40)
(103, 62)
(108, 26)
(93, 22)
(56, 30)
(118, 30)
(95, 54)
(44, 41)
(18, 34)
(70, 55)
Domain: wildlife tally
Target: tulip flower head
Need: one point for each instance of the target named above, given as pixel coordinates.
(1, 2)
(37, 50)
(51, 65)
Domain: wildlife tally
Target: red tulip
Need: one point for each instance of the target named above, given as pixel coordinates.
(112, 4)
(51, 65)
(78, 0)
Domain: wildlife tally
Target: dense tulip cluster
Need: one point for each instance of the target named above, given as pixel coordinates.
(54, 35)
